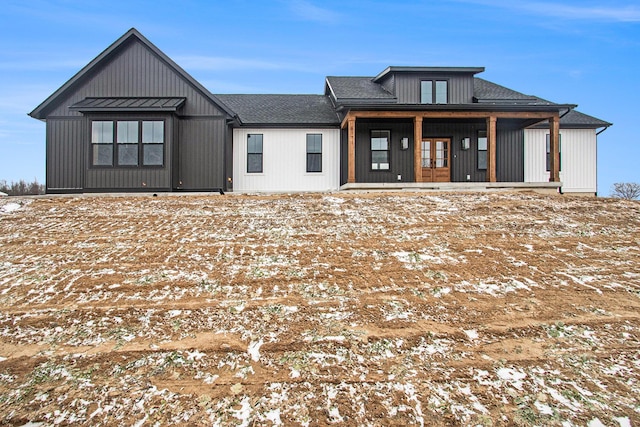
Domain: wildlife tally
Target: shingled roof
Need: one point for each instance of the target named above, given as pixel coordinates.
(302, 110)
(485, 91)
(358, 88)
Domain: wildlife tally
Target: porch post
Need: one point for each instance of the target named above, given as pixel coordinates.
(417, 148)
(554, 148)
(351, 165)
(491, 149)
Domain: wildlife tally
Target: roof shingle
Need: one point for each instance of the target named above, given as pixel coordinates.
(282, 109)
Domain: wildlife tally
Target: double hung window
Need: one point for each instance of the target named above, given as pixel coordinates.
(482, 149)
(314, 152)
(380, 149)
(254, 153)
(127, 143)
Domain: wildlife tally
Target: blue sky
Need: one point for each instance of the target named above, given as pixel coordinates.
(581, 52)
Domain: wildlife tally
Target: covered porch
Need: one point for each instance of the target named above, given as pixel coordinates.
(419, 122)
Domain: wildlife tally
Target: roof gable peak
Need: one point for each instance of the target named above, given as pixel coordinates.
(41, 111)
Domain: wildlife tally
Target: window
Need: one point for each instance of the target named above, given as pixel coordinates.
(102, 143)
(153, 143)
(434, 92)
(380, 149)
(127, 143)
(549, 152)
(135, 140)
(254, 153)
(482, 149)
(314, 152)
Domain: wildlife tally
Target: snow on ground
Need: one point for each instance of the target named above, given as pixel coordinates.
(350, 309)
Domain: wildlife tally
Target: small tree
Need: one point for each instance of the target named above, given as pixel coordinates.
(626, 190)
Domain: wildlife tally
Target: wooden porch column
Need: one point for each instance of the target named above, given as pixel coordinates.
(417, 148)
(491, 149)
(351, 165)
(554, 149)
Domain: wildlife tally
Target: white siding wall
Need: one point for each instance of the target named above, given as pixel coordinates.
(578, 157)
(284, 166)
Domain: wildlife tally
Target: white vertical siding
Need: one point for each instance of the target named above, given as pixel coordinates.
(578, 159)
(284, 166)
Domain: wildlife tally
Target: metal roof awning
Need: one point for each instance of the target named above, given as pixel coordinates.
(130, 104)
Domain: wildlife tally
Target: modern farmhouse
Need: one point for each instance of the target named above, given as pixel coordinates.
(133, 120)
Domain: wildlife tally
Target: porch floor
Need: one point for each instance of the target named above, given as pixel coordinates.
(546, 187)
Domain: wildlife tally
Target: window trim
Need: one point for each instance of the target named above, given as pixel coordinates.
(388, 151)
(115, 144)
(260, 153)
(314, 154)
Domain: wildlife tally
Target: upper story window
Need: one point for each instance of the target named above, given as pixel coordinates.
(314, 152)
(254, 153)
(127, 143)
(380, 149)
(434, 92)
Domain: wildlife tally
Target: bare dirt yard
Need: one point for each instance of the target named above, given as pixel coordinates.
(490, 309)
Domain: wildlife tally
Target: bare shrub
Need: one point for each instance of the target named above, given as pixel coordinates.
(626, 190)
(22, 188)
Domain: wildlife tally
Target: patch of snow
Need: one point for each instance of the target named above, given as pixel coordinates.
(274, 417)
(10, 207)
(254, 350)
(472, 334)
(623, 421)
(544, 409)
(595, 423)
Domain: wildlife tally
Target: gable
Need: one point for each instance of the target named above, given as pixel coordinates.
(131, 67)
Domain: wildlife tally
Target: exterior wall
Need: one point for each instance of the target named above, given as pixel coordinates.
(136, 71)
(66, 155)
(509, 154)
(464, 163)
(285, 161)
(407, 87)
(401, 161)
(198, 139)
(578, 159)
(201, 154)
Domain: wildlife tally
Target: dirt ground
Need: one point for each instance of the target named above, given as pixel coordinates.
(491, 309)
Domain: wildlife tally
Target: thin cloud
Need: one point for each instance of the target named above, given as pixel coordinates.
(309, 12)
(623, 13)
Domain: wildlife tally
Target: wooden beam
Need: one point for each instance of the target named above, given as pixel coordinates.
(417, 149)
(446, 115)
(351, 164)
(554, 148)
(491, 149)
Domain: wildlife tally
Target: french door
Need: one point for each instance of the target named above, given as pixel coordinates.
(436, 160)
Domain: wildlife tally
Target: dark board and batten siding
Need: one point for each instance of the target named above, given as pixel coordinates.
(407, 87)
(509, 154)
(138, 72)
(195, 137)
(401, 161)
(202, 154)
(66, 155)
